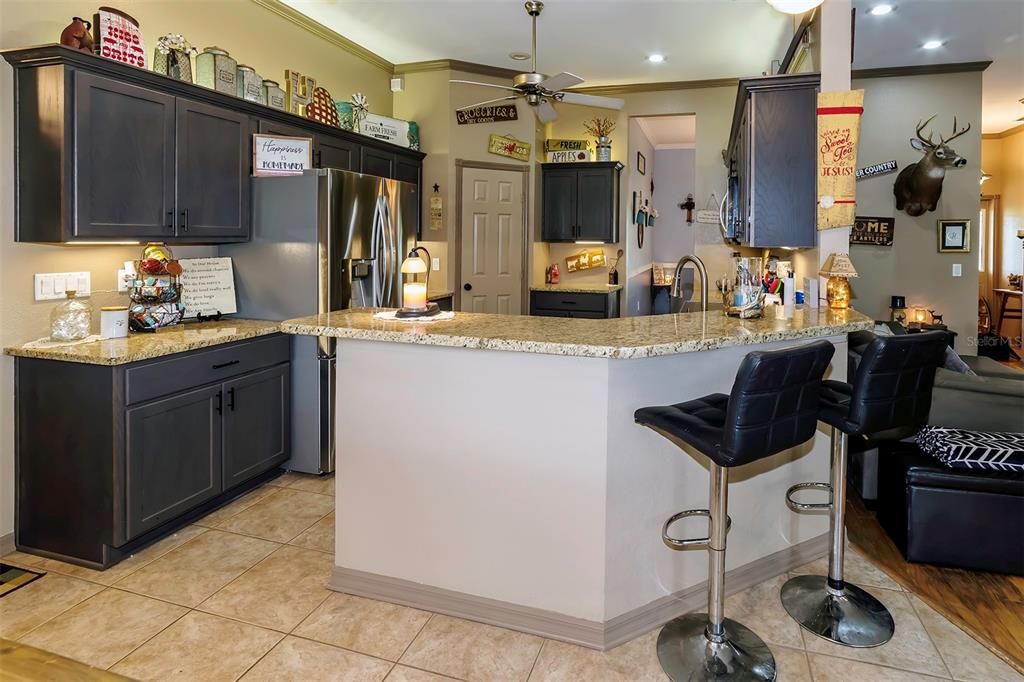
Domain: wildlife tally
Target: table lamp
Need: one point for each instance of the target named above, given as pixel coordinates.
(414, 294)
(838, 269)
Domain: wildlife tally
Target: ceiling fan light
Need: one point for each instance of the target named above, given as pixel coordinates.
(794, 6)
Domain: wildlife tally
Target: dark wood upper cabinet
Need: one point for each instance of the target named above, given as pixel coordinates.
(124, 160)
(214, 159)
(580, 202)
(772, 162)
(106, 151)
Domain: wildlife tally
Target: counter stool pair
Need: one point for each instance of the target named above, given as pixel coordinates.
(775, 403)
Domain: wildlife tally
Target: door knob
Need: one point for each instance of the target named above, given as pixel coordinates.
(467, 286)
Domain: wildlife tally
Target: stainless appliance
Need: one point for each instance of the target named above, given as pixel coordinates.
(326, 240)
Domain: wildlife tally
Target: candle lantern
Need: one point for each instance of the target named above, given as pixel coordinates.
(898, 309)
(414, 294)
(839, 270)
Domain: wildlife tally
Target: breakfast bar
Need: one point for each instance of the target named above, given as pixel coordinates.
(497, 458)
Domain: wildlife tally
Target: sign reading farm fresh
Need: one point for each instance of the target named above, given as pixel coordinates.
(492, 114)
(509, 146)
(385, 128)
(275, 155)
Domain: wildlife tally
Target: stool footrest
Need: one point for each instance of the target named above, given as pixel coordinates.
(680, 543)
(807, 506)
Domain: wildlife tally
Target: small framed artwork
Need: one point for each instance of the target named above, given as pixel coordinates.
(641, 163)
(955, 236)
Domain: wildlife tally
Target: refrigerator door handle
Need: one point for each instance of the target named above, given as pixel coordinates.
(377, 253)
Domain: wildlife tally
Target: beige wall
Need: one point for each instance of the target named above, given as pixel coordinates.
(252, 34)
(913, 267)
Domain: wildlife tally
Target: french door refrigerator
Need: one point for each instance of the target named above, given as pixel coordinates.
(326, 240)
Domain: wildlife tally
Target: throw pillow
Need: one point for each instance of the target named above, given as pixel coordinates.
(960, 449)
(955, 363)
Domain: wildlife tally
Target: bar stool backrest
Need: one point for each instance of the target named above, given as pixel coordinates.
(773, 405)
(893, 384)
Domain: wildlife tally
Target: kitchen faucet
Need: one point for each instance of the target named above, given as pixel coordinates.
(677, 284)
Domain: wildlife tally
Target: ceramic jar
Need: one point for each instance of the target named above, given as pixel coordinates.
(215, 69)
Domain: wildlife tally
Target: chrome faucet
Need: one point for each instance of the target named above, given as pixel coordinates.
(677, 283)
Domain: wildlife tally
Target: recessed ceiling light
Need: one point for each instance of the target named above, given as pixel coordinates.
(519, 56)
(932, 44)
(655, 58)
(881, 10)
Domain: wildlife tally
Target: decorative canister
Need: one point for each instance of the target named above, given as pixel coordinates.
(248, 84)
(114, 321)
(414, 135)
(70, 319)
(173, 57)
(215, 69)
(604, 148)
(346, 115)
(273, 95)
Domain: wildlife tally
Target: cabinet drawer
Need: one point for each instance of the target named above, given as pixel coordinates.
(553, 300)
(179, 373)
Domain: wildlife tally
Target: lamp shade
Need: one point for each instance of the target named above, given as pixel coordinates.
(413, 265)
(838, 265)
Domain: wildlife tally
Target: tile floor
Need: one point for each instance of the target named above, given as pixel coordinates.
(241, 594)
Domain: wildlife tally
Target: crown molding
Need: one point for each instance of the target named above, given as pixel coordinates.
(321, 31)
(455, 65)
(920, 70)
(1006, 133)
(628, 88)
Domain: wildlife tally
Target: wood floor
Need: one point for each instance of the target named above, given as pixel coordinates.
(989, 606)
(21, 663)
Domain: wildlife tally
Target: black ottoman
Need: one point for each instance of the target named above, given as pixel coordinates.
(950, 517)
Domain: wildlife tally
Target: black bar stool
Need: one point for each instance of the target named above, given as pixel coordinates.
(773, 406)
(892, 389)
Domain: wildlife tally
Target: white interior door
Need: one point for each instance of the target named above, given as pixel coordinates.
(493, 228)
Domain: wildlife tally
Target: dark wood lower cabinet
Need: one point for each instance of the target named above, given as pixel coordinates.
(585, 305)
(111, 458)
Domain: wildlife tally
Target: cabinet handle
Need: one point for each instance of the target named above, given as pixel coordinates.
(231, 399)
(170, 221)
(318, 158)
(184, 220)
(222, 365)
(220, 402)
(568, 302)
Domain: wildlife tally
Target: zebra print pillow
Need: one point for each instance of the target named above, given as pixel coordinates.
(959, 449)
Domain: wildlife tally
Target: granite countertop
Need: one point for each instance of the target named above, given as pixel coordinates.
(597, 288)
(626, 338)
(144, 346)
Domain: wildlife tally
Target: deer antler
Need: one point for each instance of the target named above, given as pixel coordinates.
(955, 133)
(920, 126)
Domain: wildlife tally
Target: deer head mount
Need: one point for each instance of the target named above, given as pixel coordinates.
(919, 185)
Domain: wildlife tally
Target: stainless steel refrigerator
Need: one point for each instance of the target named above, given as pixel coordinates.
(323, 241)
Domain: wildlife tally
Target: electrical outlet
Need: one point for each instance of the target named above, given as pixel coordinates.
(124, 280)
(435, 264)
(958, 270)
(53, 285)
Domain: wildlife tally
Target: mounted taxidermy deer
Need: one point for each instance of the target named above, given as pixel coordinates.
(919, 185)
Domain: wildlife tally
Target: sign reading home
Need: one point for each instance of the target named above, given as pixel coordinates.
(877, 169)
(276, 155)
(492, 114)
(874, 231)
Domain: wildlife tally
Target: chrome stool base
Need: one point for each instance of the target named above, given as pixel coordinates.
(852, 617)
(686, 653)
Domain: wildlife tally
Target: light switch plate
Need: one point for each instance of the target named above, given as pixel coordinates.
(435, 264)
(958, 270)
(49, 286)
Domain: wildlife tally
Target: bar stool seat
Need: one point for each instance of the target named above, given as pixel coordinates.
(772, 407)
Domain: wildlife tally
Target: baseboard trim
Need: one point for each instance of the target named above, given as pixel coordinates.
(6, 544)
(588, 633)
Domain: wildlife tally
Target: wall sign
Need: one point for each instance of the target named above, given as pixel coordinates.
(875, 231)
(509, 146)
(208, 286)
(119, 37)
(492, 114)
(566, 145)
(569, 157)
(277, 155)
(436, 212)
(838, 131)
(388, 129)
(878, 169)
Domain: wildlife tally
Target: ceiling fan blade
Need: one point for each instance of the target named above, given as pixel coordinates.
(560, 82)
(485, 85)
(486, 102)
(590, 100)
(545, 112)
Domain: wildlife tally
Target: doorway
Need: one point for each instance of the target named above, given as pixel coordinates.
(491, 237)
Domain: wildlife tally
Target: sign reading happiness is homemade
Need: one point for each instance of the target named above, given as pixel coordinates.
(492, 114)
(276, 155)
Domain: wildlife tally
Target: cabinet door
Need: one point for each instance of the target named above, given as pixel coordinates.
(408, 170)
(335, 152)
(173, 450)
(377, 162)
(283, 129)
(123, 159)
(256, 424)
(559, 207)
(595, 205)
(214, 159)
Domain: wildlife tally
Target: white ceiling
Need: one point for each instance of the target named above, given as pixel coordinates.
(607, 41)
(973, 30)
(665, 132)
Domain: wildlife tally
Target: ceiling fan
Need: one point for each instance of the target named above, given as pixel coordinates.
(540, 90)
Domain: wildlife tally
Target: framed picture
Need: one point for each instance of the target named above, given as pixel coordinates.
(954, 236)
(641, 163)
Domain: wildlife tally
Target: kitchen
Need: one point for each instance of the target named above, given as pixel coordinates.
(296, 375)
